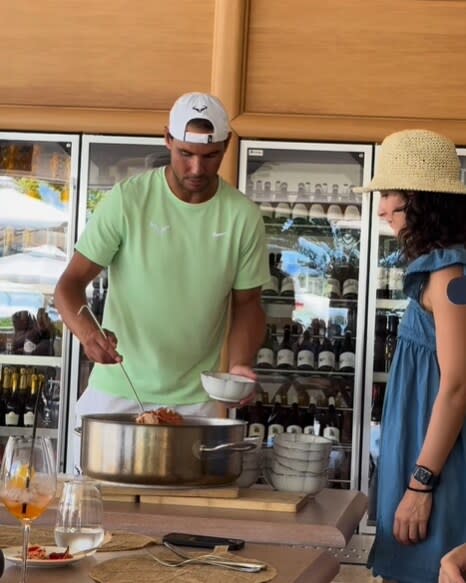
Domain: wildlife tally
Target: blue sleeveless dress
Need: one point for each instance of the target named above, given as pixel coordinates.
(411, 391)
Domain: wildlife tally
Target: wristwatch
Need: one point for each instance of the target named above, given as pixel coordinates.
(425, 476)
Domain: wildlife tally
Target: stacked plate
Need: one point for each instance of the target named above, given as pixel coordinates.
(299, 463)
(252, 464)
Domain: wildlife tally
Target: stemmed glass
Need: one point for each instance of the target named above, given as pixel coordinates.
(28, 482)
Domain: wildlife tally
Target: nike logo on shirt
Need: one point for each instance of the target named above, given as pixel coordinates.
(217, 235)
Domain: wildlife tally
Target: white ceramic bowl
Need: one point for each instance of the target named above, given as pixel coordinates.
(304, 442)
(297, 482)
(227, 387)
(287, 464)
(248, 477)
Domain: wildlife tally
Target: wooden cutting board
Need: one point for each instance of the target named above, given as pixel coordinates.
(248, 499)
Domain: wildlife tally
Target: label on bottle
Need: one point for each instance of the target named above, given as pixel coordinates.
(271, 287)
(326, 359)
(265, 357)
(306, 359)
(395, 282)
(333, 287)
(29, 419)
(350, 288)
(347, 360)
(287, 287)
(285, 358)
(11, 418)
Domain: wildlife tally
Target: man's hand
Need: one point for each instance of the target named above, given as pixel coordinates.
(100, 348)
(412, 517)
(453, 566)
(244, 371)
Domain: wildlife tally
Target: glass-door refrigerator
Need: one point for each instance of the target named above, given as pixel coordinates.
(38, 179)
(105, 160)
(386, 306)
(311, 365)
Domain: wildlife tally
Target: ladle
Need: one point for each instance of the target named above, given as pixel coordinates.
(102, 331)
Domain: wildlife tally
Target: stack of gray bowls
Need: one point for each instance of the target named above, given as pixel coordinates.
(299, 463)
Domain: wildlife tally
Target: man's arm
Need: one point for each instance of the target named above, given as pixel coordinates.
(70, 296)
(247, 330)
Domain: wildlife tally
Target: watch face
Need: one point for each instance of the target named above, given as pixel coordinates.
(422, 475)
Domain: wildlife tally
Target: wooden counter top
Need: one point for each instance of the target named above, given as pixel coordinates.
(293, 565)
(328, 520)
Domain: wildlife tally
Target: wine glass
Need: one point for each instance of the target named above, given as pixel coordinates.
(27, 482)
(79, 517)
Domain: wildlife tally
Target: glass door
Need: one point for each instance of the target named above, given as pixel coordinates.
(310, 367)
(38, 177)
(105, 160)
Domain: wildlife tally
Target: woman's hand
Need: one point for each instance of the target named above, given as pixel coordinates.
(453, 566)
(412, 517)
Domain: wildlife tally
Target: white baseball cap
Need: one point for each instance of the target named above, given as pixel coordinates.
(198, 106)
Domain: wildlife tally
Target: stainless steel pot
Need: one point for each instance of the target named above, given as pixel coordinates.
(200, 452)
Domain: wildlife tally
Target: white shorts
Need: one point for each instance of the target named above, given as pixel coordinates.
(93, 402)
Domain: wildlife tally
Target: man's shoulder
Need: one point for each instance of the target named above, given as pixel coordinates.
(139, 181)
(238, 198)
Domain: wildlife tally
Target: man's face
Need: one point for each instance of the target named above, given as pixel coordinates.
(195, 166)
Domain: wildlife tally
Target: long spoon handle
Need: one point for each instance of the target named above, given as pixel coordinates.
(102, 331)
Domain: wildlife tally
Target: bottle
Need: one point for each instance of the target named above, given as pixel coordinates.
(6, 391)
(287, 286)
(13, 405)
(95, 300)
(379, 342)
(309, 416)
(395, 283)
(30, 404)
(285, 354)
(326, 356)
(266, 355)
(350, 285)
(333, 284)
(390, 340)
(272, 286)
(377, 402)
(333, 420)
(23, 392)
(275, 420)
(382, 283)
(346, 361)
(294, 420)
(305, 356)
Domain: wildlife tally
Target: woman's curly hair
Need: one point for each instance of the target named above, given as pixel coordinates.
(433, 221)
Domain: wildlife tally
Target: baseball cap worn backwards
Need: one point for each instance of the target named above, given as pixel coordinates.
(198, 106)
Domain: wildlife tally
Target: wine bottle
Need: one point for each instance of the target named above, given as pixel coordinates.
(382, 283)
(333, 420)
(22, 392)
(30, 404)
(333, 284)
(390, 340)
(272, 286)
(309, 414)
(305, 357)
(6, 391)
(287, 286)
(266, 355)
(379, 342)
(346, 360)
(13, 405)
(285, 354)
(326, 357)
(350, 285)
(294, 419)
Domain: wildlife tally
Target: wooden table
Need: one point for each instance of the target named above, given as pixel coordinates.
(328, 520)
(293, 565)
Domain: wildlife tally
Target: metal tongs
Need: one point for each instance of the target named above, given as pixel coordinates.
(207, 559)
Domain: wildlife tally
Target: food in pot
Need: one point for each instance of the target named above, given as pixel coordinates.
(162, 416)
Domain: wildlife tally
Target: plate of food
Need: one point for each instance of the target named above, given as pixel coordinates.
(44, 556)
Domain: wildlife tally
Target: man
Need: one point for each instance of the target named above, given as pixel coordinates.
(180, 245)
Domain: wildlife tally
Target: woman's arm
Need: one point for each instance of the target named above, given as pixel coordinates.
(449, 410)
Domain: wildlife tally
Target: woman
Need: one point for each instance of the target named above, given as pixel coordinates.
(421, 502)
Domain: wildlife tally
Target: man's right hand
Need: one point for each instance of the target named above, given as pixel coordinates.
(101, 349)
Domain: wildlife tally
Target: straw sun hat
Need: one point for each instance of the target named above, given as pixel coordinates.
(417, 160)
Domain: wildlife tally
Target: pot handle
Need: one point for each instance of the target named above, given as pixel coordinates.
(235, 446)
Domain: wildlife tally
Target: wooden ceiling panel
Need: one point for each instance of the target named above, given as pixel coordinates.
(401, 58)
(133, 54)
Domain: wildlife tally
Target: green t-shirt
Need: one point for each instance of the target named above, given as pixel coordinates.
(171, 268)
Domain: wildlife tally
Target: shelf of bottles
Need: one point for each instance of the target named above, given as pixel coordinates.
(38, 173)
(308, 367)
